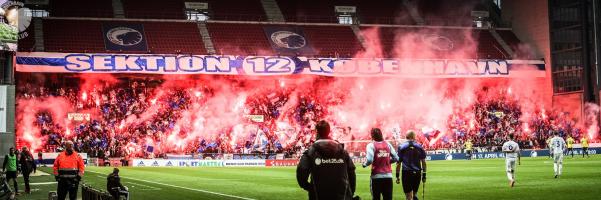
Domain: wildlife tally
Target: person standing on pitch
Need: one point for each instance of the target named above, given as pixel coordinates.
(570, 141)
(584, 143)
(412, 157)
(68, 170)
(330, 167)
(549, 147)
(512, 152)
(558, 145)
(27, 166)
(11, 168)
(379, 155)
(468, 149)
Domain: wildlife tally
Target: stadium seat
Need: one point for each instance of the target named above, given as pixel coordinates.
(340, 41)
(234, 10)
(239, 39)
(250, 39)
(431, 43)
(383, 12)
(510, 38)
(488, 47)
(319, 11)
(447, 12)
(86, 36)
(79, 8)
(171, 9)
(248, 10)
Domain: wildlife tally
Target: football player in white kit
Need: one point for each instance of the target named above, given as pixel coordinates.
(512, 152)
(558, 146)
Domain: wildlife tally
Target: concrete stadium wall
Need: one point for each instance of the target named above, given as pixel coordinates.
(7, 139)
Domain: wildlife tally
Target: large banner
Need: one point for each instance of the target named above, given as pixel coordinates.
(288, 40)
(490, 155)
(176, 163)
(274, 65)
(126, 37)
(3, 107)
(197, 163)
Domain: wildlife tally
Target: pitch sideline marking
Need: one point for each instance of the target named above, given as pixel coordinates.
(146, 186)
(42, 183)
(186, 188)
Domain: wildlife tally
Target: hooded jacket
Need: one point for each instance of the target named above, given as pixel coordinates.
(331, 170)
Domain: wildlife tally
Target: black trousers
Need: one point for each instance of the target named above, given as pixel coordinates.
(585, 151)
(67, 186)
(411, 181)
(381, 187)
(26, 180)
(12, 175)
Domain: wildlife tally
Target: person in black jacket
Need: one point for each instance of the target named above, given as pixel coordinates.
(330, 167)
(27, 166)
(114, 186)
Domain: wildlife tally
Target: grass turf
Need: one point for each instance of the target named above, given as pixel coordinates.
(475, 179)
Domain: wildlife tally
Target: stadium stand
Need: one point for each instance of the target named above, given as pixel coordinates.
(241, 39)
(340, 41)
(373, 13)
(152, 10)
(247, 10)
(438, 42)
(488, 47)
(86, 36)
(228, 39)
(447, 12)
(78, 8)
(509, 37)
(308, 10)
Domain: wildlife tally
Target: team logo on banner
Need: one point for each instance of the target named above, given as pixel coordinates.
(288, 40)
(438, 42)
(124, 37)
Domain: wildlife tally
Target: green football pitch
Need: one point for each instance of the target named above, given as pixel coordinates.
(475, 179)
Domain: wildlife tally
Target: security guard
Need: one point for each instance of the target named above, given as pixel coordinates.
(330, 167)
(570, 142)
(68, 170)
(468, 149)
(584, 142)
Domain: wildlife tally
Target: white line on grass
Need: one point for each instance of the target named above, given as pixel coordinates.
(142, 185)
(186, 188)
(43, 183)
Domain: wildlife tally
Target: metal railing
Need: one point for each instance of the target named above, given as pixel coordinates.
(89, 193)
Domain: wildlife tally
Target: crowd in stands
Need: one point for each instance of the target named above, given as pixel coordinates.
(106, 134)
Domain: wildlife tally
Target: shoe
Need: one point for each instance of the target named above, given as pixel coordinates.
(511, 183)
(556, 176)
